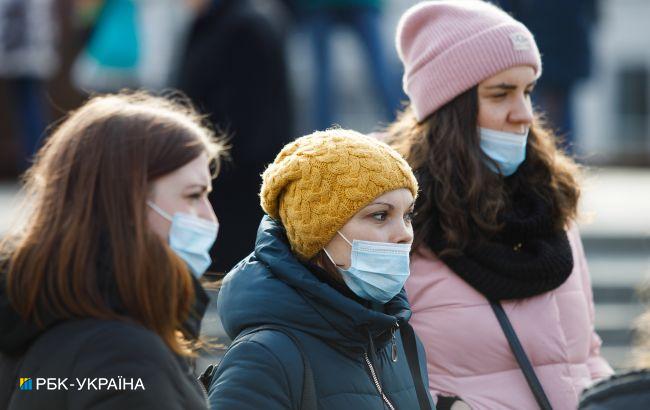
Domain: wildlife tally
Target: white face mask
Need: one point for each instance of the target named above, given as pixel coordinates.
(191, 238)
(507, 149)
(378, 270)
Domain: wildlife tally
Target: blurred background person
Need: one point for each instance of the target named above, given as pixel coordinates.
(29, 35)
(133, 44)
(566, 46)
(321, 19)
(105, 268)
(234, 69)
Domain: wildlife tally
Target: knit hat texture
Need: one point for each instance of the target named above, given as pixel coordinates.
(449, 46)
(320, 181)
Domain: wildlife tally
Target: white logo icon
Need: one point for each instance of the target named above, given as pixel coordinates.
(519, 42)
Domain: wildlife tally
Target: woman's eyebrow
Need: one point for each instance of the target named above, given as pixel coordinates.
(502, 86)
(391, 206)
(508, 86)
(201, 186)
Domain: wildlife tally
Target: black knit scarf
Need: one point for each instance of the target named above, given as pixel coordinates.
(527, 258)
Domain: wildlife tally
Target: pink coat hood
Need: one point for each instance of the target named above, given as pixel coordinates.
(468, 355)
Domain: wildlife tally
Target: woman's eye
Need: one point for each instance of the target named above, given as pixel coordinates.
(195, 196)
(528, 92)
(499, 96)
(380, 216)
(409, 216)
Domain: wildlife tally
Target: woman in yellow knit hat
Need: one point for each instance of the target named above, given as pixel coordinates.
(317, 312)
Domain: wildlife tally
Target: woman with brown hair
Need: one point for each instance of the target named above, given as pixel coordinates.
(499, 284)
(317, 312)
(100, 304)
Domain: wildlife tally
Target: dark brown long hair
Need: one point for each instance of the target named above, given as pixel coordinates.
(87, 192)
(457, 189)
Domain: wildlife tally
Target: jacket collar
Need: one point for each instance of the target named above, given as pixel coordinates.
(17, 334)
(273, 286)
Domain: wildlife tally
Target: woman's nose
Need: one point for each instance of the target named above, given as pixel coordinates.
(522, 113)
(207, 212)
(403, 233)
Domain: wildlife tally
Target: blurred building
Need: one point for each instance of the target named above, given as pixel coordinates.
(613, 107)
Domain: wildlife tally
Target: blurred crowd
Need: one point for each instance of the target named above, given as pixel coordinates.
(230, 58)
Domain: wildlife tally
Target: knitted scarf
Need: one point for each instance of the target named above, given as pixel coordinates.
(527, 258)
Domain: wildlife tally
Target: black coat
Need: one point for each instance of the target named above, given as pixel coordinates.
(629, 391)
(145, 374)
(235, 71)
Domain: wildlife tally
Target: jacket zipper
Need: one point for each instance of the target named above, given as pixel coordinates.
(205, 393)
(375, 379)
(393, 350)
(204, 389)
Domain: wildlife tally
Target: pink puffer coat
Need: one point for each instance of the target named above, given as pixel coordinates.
(468, 355)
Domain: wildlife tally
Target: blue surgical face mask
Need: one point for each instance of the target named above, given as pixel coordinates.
(377, 271)
(507, 149)
(191, 238)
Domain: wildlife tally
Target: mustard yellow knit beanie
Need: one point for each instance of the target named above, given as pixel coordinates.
(320, 181)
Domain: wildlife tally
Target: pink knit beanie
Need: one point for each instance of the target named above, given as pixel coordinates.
(449, 46)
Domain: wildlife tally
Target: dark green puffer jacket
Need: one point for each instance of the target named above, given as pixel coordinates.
(340, 335)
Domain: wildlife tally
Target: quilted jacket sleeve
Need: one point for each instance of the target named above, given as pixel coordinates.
(252, 376)
(598, 366)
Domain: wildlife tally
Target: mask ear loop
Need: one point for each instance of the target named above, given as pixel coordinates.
(159, 211)
(330, 256)
(344, 238)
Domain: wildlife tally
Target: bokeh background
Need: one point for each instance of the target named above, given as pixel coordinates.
(268, 71)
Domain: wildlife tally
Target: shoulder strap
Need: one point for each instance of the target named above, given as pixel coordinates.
(520, 355)
(308, 397)
(411, 350)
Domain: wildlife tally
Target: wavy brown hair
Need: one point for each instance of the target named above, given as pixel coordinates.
(458, 190)
(87, 232)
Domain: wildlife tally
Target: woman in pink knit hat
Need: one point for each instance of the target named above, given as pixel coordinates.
(499, 284)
